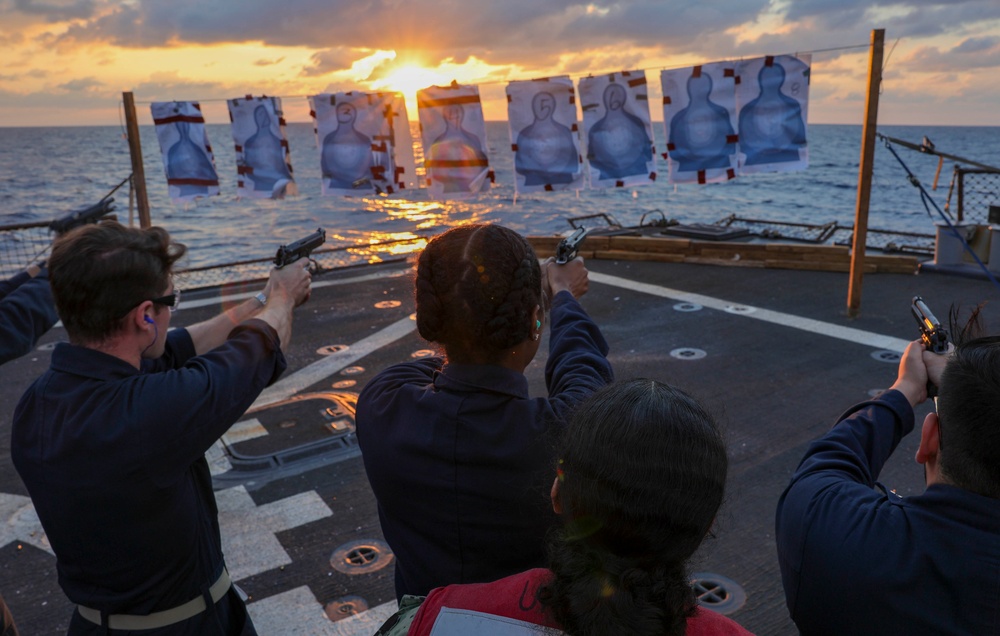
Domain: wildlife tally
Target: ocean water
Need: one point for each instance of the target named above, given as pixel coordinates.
(47, 172)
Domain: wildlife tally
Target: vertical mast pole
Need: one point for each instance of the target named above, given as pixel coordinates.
(135, 152)
(865, 172)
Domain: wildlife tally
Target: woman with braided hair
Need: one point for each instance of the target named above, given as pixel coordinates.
(640, 477)
(457, 453)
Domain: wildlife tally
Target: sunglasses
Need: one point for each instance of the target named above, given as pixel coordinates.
(171, 300)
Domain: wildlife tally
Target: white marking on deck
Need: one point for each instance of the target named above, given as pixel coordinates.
(218, 459)
(316, 284)
(248, 530)
(243, 431)
(298, 612)
(850, 334)
(19, 522)
(328, 365)
(214, 300)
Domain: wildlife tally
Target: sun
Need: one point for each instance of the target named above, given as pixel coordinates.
(411, 78)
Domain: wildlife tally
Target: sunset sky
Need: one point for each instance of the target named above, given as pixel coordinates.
(66, 62)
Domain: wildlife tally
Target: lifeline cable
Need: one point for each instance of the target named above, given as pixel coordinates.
(924, 198)
(113, 190)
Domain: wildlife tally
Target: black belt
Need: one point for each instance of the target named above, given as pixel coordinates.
(164, 618)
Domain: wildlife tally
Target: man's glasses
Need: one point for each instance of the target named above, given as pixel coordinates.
(171, 300)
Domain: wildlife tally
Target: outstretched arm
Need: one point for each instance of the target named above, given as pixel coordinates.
(286, 289)
(26, 313)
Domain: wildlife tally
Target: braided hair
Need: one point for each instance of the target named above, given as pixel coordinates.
(642, 474)
(477, 287)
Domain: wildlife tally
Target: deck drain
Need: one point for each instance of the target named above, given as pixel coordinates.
(345, 606)
(740, 309)
(422, 353)
(388, 304)
(687, 307)
(887, 356)
(717, 592)
(687, 353)
(352, 371)
(361, 557)
(331, 349)
(344, 384)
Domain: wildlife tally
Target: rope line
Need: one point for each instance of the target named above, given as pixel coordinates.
(508, 80)
(925, 198)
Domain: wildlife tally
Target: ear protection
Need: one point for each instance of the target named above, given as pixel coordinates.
(538, 324)
(148, 319)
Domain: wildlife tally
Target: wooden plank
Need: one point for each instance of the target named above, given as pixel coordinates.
(808, 249)
(656, 257)
(732, 255)
(865, 171)
(700, 260)
(648, 244)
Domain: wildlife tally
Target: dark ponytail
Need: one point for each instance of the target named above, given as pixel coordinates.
(642, 474)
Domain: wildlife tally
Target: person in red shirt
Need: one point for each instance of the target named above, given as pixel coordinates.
(639, 481)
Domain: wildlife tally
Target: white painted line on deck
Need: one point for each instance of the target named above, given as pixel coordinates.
(316, 284)
(215, 299)
(850, 334)
(324, 368)
(243, 431)
(248, 530)
(297, 612)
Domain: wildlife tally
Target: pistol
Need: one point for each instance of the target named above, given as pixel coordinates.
(299, 249)
(934, 336)
(82, 217)
(569, 246)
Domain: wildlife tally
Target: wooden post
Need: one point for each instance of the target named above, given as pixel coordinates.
(865, 172)
(135, 151)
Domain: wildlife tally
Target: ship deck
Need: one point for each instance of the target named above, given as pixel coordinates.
(772, 352)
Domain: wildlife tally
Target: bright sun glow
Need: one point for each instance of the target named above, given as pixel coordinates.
(409, 79)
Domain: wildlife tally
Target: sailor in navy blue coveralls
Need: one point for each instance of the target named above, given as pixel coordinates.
(113, 458)
(110, 440)
(858, 559)
(460, 457)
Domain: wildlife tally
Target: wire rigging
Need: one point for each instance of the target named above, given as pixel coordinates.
(928, 201)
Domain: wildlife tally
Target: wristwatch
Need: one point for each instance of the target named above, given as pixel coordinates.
(261, 298)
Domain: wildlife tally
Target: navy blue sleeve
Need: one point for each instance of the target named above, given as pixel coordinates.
(831, 498)
(578, 363)
(26, 313)
(184, 411)
(12, 283)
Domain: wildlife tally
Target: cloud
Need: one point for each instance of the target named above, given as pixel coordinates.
(332, 60)
(34, 73)
(171, 86)
(56, 10)
(910, 18)
(961, 58)
(263, 62)
(514, 31)
(82, 85)
(977, 45)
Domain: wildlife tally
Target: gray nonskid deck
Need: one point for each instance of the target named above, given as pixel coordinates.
(771, 352)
